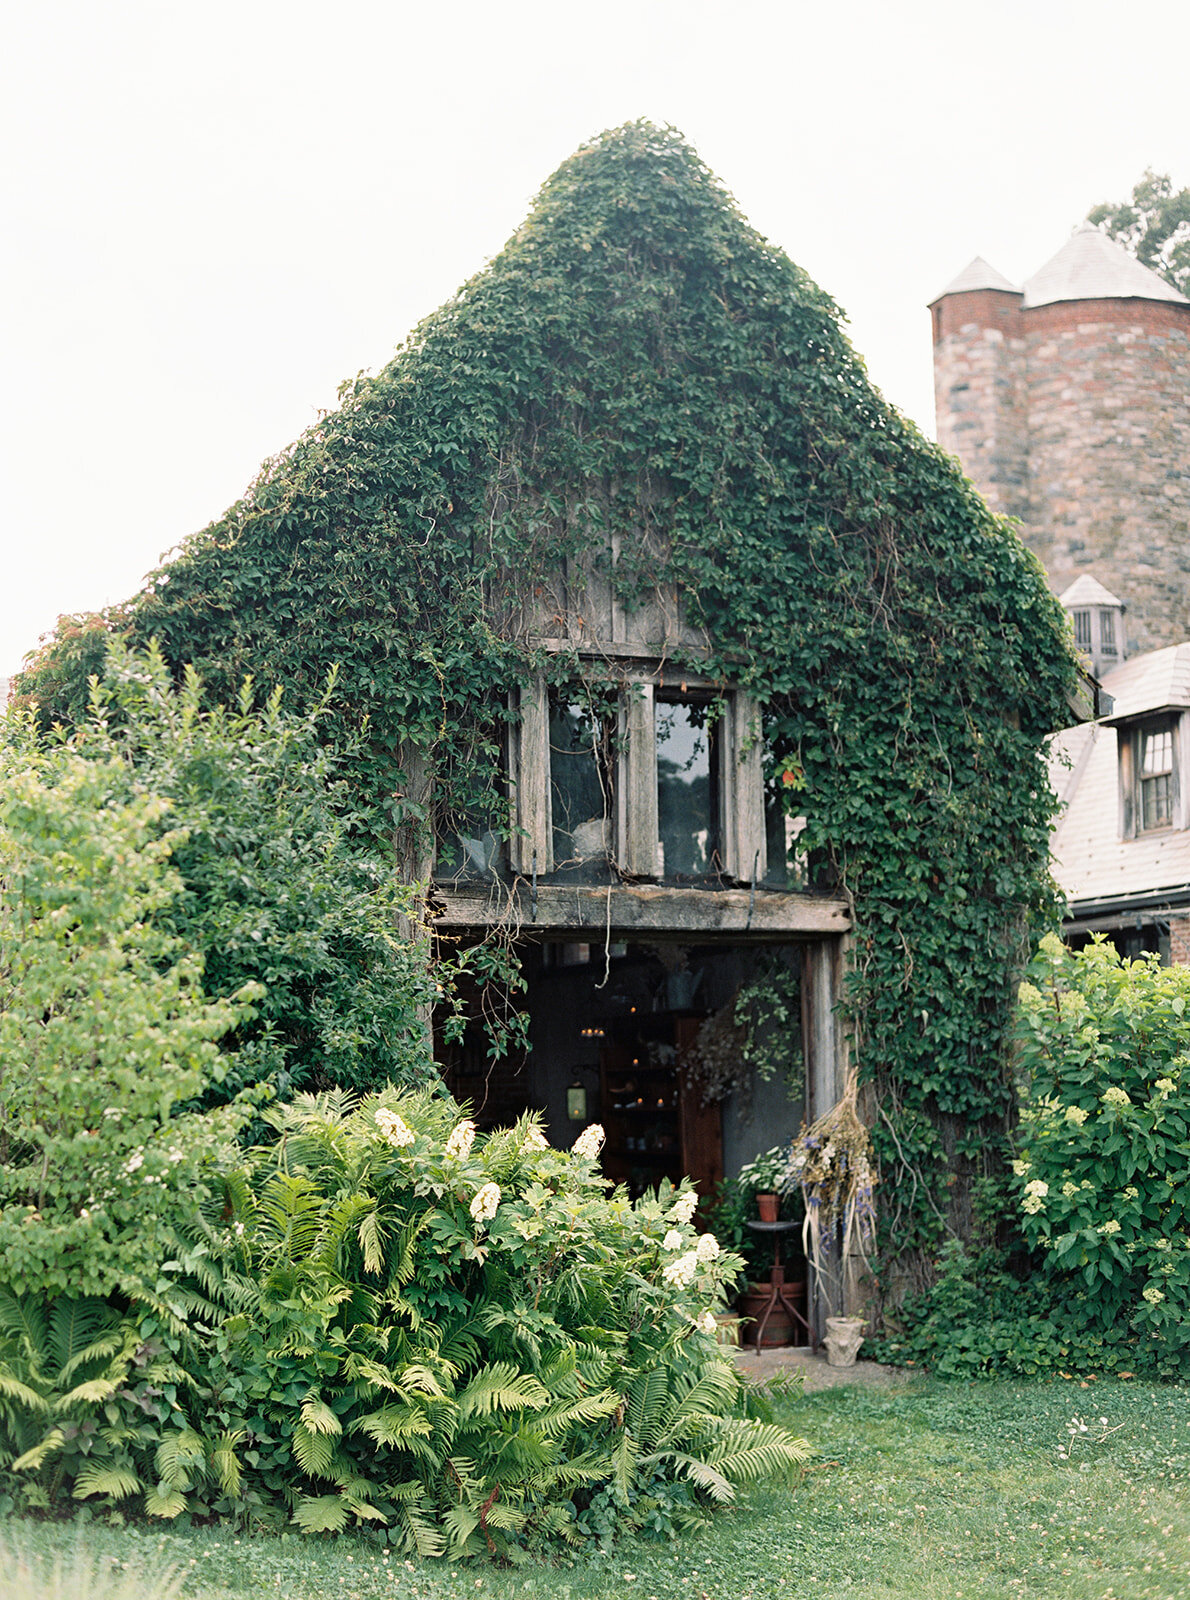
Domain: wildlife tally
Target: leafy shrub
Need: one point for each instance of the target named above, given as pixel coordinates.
(104, 1029)
(1100, 1192)
(279, 885)
(464, 1343)
(1103, 1175)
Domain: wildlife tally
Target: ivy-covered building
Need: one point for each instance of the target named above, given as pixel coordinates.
(705, 695)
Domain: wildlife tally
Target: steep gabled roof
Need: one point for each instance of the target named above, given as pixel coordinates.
(1092, 266)
(1156, 681)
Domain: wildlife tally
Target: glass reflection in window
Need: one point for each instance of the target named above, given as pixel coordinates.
(580, 780)
(687, 789)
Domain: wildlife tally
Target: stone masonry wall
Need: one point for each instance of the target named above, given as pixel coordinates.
(980, 397)
(1109, 455)
(1075, 417)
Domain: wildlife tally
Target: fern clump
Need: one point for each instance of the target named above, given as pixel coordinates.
(464, 1343)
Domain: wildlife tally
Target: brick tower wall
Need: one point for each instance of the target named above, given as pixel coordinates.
(1075, 418)
(980, 396)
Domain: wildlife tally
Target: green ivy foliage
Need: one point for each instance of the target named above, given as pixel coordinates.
(639, 362)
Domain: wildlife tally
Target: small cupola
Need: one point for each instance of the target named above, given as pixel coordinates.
(1097, 617)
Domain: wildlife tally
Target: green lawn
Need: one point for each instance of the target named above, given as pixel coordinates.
(924, 1492)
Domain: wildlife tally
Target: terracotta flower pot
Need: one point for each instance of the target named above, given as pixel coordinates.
(768, 1205)
(780, 1329)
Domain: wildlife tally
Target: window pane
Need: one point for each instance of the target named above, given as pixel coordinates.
(1107, 633)
(580, 781)
(687, 790)
(1157, 755)
(1157, 801)
(1082, 629)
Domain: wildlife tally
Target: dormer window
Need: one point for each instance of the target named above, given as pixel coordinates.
(1097, 619)
(1156, 779)
(1152, 786)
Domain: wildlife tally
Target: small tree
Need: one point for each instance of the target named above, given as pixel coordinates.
(104, 1027)
(279, 883)
(1154, 224)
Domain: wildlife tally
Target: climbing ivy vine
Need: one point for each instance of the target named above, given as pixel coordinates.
(639, 363)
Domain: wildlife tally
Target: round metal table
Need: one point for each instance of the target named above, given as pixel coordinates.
(780, 1292)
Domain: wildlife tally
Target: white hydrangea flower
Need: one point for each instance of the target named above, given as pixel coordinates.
(1021, 1167)
(1069, 1190)
(1038, 1187)
(683, 1209)
(673, 1240)
(707, 1324)
(680, 1271)
(1115, 1096)
(1153, 1295)
(394, 1128)
(458, 1146)
(1165, 1087)
(486, 1202)
(589, 1143)
(134, 1163)
(1107, 1229)
(535, 1140)
(1131, 1192)
(707, 1248)
(1076, 1115)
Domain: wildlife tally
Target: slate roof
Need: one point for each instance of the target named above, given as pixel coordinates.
(1092, 266)
(1088, 591)
(1089, 859)
(978, 274)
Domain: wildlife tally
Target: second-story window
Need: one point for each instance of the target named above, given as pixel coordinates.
(581, 775)
(1082, 630)
(1156, 777)
(688, 824)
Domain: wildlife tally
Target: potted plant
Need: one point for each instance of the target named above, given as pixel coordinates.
(765, 1176)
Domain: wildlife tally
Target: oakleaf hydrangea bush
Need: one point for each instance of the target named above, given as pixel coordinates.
(1098, 1200)
(462, 1342)
(1103, 1168)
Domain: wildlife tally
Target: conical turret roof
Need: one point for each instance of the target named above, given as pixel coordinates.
(1088, 591)
(978, 274)
(1092, 266)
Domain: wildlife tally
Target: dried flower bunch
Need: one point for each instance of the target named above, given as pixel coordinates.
(832, 1163)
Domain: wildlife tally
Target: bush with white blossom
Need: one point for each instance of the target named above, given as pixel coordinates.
(1103, 1154)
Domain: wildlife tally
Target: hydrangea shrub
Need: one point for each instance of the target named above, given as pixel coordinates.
(1102, 1175)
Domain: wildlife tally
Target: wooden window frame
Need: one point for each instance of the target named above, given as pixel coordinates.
(1130, 739)
(743, 840)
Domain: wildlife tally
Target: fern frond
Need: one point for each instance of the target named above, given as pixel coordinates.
(648, 1399)
(314, 1451)
(165, 1500)
(32, 1459)
(22, 1316)
(704, 1475)
(13, 1389)
(500, 1387)
(318, 1416)
(226, 1462)
(371, 1237)
(93, 1391)
(180, 1450)
(624, 1465)
(118, 1482)
(76, 1323)
(324, 1513)
(392, 1424)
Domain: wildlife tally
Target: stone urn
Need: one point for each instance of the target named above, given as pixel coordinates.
(844, 1335)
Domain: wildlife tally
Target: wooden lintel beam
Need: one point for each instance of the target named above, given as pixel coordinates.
(625, 912)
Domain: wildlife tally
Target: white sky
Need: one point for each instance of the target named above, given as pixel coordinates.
(215, 213)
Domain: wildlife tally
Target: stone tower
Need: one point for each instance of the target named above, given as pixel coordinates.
(1068, 404)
